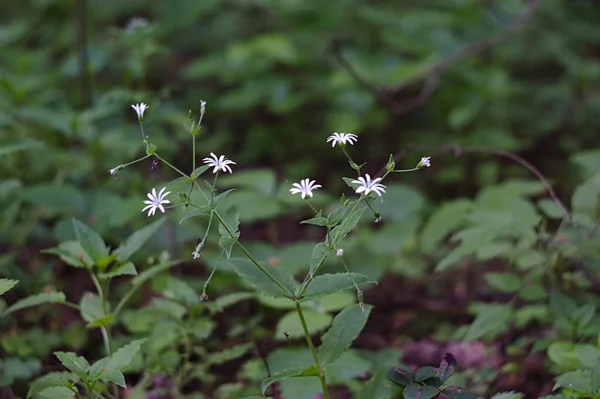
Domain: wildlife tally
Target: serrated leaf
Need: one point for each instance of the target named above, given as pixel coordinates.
(326, 284)
(6, 285)
(346, 326)
(136, 240)
(53, 379)
(491, 319)
(90, 241)
(57, 393)
(77, 364)
(416, 391)
(228, 354)
(254, 277)
(114, 376)
(72, 253)
(35, 300)
(285, 374)
(123, 357)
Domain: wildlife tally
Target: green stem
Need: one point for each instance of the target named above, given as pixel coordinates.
(313, 351)
(193, 153)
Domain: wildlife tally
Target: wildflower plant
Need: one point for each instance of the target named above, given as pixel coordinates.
(275, 281)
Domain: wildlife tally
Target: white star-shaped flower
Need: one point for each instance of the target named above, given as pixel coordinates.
(424, 163)
(342, 138)
(139, 110)
(305, 188)
(219, 163)
(367, 185)
(156, 201)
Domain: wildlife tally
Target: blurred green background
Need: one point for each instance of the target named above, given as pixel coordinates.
(411, 78)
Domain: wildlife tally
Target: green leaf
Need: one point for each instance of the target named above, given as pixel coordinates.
(254, 277)
(346, 326)
(72, 253)
(317, 221)
(285, 374)
(114, 376)
(199, 171)
(595, 377)
(585, 197)
(90, 241)
(229, 235)
(136, 240)
(76, 364)
(91, 307)
(228, 354)
(153, 271)
(53, 379)
(327, 284)
(416, 391)
(400, 375)
(561, 306)
(6, 285)
(123, 357)
(582, 316)
(57, 393)
(320, 252)
(35, 300)
(194, 213)
(424, 373)
(341, 231)
(222, 196)
(444, 221)
(125, 269)
(379, 387)
(578, 380)
(504, 282)
(492, 319)
(290, 324)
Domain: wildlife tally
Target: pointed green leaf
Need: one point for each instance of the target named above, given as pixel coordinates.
(326, 284)
(136, 240)
(227, 242)
(229, 354)
(317, 221)
(35, 300)
(222, 196)
(91, 307)
(76, 364)
(424, 373)
(256, 278)
(57, 393)
(6, 285)
(320, 252)
(114, 376)
(199, 171)
(347, 225)
(53, 379)
(416, 391)
(492, 319)
(194, 213)
(123, 357)
(290, 324)
(72, 253)
(90, 241)
(229, 230)
(285, 374)
(125, 269)
(346, 326)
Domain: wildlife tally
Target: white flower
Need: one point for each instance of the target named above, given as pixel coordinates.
(220, 163)
(342, 138)
(202, 107)
(196, 254)
(367, 185)
(424, 163)
(339, 252)
(114, 171)
(156, 201)
(139, 110)
(305, 188)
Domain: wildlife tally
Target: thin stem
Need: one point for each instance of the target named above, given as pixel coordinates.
(313, 351)
(142, 130)
(193, 152)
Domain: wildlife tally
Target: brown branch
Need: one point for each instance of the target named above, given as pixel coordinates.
(388, 95)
